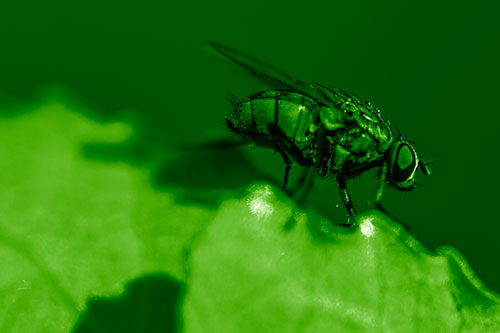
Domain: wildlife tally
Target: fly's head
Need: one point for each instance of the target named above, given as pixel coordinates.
(403, 163)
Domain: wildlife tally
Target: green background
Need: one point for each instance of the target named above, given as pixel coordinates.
(430, 66)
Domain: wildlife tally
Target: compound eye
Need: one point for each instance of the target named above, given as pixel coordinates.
(405, 163)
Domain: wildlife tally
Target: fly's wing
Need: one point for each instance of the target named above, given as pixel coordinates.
(337, 94)
(271, 75)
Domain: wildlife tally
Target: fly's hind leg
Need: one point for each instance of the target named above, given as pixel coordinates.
(346, 198)
(304, 183)
(287, 150)
(288, 166)
(278, 139)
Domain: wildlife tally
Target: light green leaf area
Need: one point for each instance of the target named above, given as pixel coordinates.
(73, 227)
(265, 266)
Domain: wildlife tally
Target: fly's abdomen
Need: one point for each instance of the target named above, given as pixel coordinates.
(291, 112)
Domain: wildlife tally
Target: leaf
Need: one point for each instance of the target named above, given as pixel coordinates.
(75, 231)
(265, 266)
(72, 227)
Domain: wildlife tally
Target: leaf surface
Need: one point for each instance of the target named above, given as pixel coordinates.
(73, 227)
(265, 266)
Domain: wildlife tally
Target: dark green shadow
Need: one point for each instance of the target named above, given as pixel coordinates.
(149, 303)
(192, 176)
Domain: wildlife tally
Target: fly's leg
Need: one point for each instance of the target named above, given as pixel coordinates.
(304, 183)
(382, 176)
(381, 183)
(346, 198)
(287, 149)
(284, 143)
(287, 170)
(278, 142)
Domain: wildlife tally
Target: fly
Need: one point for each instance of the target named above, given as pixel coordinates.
(328, 130)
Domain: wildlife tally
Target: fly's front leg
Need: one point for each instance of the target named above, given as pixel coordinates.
(382, 176)
(346, 198)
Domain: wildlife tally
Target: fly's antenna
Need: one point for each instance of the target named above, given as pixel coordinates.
(424, 167)
(235, 102)
(399, 133)
(430, 162)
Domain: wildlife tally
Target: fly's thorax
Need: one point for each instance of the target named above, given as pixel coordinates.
(351, 146)
(359, 142)
(357, 134)
(332, 118)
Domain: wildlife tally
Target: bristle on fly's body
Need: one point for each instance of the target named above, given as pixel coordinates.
(233, 99)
